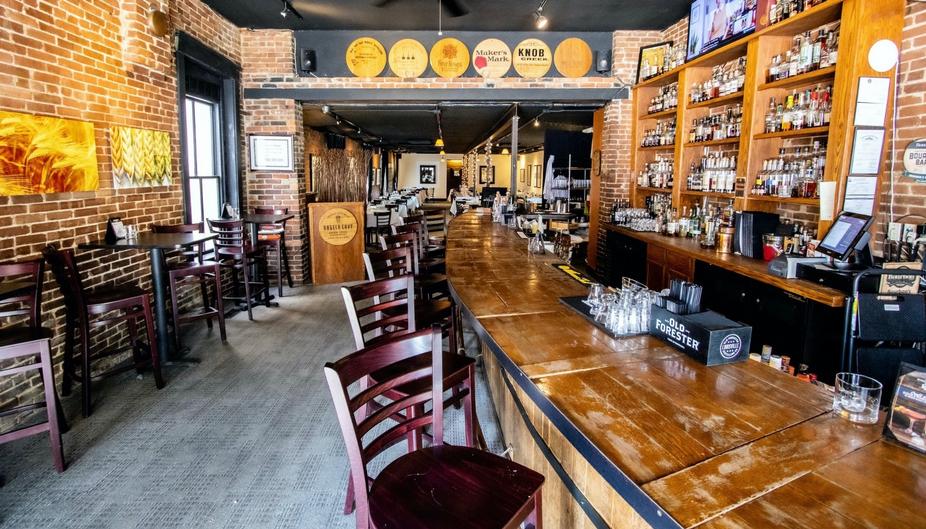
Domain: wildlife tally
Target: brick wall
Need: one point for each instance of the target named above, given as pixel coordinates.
(280, 189)
(909, 196)
(96, 61)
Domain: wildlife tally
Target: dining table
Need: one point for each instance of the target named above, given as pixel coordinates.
(157, 244)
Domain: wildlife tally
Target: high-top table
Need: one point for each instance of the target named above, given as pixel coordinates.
(631, 433)
(156, 244)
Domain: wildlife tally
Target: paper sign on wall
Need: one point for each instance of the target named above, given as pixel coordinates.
(871, 105)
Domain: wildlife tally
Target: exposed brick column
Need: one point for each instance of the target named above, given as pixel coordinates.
(280, 189)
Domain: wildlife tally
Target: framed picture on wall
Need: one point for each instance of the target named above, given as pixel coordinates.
(522, 179)
(486, 175)
(537, 177)
(271, 153)
(652, 59)
(427, 174)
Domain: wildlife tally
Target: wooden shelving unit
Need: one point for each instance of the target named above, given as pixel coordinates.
(717, 101)
(863, 22)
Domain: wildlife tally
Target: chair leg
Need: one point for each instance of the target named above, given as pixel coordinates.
(52, 407)
(153, 344)
(289, 275)
(280, 268)
(85, 386)
(469, 407)
(247, 289)
(349, 497)
(204, 291)
(67, 381)
(174, 311)
(263, 268)
(535, 519)
(219, 303)
(133, 339)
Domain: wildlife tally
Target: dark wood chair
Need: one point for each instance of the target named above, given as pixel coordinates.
(434, 487)
(433, 291)
(85, 310)
(26, 346)
(429, 282)
(237, 254)
(427, 260)
(194, 270)
(273, 236)
(381, 223)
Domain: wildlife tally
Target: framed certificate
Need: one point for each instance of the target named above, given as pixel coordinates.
(271, 153)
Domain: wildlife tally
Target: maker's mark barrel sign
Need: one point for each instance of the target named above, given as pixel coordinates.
(492, 58)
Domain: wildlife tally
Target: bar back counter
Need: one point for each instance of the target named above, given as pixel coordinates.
(631, 433)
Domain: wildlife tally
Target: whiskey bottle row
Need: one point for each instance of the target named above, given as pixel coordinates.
(726, 79)
(662, 135)
(722, 126)
(666, 99)
(799, 110)
(714, 173)
(807, 54)
(674, 57)
(795, 173)
(658, 173)
(779, 10)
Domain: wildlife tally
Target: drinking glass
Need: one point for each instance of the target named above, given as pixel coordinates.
(595, 292)
(607, 306)
(857, 398)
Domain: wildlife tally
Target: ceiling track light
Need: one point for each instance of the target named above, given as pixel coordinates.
(287, 9)
(541, 21)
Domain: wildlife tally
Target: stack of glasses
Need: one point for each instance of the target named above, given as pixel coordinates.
(623, 312)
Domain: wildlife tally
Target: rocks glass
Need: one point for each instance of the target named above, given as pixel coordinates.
(857, 398)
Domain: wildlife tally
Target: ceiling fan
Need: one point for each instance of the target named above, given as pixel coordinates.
(454, 8)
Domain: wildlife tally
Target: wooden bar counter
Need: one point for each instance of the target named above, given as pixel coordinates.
(630, 433)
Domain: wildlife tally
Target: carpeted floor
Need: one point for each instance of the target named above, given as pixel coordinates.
(246, 439)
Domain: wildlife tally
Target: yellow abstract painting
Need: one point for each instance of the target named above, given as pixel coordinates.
(141, 158)
(41, 154)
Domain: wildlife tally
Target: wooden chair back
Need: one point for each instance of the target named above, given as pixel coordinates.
(231, 236)
(382, 219)
(388, 263)
(397, 355)
(418, 228)
(25, 301)
(197, 227)
(271, 210)
(407, 239)
(379, 309)
(64, 268)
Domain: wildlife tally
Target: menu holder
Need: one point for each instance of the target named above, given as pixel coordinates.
(906, 421)
(115, 230)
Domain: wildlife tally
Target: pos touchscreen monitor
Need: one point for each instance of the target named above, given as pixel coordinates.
(848, 232)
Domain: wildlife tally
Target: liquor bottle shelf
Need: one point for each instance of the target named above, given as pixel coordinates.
(727, 141)
(717, 101)
(658, 148)
(645, 189)
(816, 76)
(712, 194)
(657, 115)
(797, 133)
(784, 200)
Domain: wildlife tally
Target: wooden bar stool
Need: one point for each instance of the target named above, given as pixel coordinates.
(27, 347)
(235, 252)
(130, 304)
(428, 282)
(428, 488)
(427, 262)
(194, 270)
(433, 294)
(273, 236)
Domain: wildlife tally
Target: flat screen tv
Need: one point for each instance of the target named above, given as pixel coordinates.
(713, 23)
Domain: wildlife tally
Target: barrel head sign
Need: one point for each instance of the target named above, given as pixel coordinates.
(492, 58)
(532, 58)
(337, 226)
(914, 160)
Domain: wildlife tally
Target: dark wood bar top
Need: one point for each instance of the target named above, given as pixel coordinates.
(738, 445)
(753, 268)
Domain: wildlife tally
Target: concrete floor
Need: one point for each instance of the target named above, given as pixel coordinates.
(246, 439)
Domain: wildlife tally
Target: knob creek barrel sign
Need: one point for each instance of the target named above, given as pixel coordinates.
(532, 58)
(492, 58)
(337, 227)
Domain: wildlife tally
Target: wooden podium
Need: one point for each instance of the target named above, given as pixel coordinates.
(336, 241)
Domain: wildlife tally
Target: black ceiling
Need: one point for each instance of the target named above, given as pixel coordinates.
(483, 15)
(413, 127)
